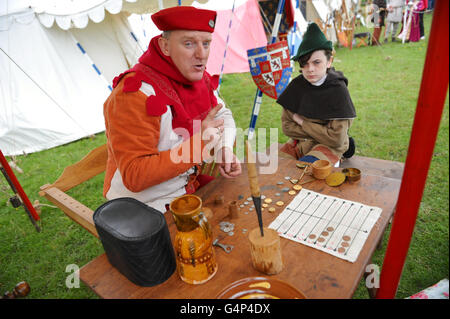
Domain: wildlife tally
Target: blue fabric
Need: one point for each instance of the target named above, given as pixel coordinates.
(308, 158)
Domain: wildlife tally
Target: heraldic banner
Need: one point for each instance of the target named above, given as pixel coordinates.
(270, 67)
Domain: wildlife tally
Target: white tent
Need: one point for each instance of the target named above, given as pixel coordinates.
(54, 77)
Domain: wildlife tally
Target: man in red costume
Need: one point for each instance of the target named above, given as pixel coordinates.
(164, 115)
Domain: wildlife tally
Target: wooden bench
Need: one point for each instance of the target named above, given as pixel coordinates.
(89, 166)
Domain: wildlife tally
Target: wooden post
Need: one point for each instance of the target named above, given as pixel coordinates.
(266, 251)
(430, 105)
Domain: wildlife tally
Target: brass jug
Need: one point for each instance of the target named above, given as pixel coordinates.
(196, 261)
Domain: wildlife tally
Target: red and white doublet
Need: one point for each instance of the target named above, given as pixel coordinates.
(143, 116)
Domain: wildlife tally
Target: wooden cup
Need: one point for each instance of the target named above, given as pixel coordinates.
(321, 169)
(266, 251)
(233, 210)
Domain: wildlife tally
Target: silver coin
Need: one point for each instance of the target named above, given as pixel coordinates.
(280, 183)
(277, 194)
(287, 178)
(245, 203)
(230, 233)
(286, 189)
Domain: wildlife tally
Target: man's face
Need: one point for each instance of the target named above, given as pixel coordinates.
(189, 51)
(316, 67)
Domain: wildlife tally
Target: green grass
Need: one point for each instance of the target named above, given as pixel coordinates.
(384, 83)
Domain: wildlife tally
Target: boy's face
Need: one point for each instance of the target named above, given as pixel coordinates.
(316, 67)
(189, 51)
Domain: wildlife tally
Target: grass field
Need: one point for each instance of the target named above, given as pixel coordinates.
(384, 84)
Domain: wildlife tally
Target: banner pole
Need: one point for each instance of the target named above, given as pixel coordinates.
(259, 93)
(430, 105)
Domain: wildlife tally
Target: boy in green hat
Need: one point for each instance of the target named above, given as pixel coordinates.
(317, 107)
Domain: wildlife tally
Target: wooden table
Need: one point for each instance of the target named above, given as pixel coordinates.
(315, 273)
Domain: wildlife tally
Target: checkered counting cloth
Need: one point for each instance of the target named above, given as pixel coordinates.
(333, 225)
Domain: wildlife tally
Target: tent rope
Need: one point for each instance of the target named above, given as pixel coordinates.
(43, 91)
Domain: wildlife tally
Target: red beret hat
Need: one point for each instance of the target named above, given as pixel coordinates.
(185, 18)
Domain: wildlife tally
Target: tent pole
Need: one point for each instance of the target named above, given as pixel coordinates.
(430, 105)
(259, 93)
(18, 190)
(297, 4)
(226, 46)
(89, 60)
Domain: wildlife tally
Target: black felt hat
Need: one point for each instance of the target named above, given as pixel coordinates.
(313, 40)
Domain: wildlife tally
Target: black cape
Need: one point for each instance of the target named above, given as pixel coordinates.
(328, 101)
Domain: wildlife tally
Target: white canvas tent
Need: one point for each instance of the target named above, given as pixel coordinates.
(50, 93)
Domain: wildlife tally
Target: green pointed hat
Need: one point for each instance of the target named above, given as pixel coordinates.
(313, 40)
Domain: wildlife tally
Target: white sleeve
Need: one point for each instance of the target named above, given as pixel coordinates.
(229, 133)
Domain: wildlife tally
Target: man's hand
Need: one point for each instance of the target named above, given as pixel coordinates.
(229, 165)
(212, 127)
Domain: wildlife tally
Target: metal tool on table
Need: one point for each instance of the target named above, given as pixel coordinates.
(227, 248)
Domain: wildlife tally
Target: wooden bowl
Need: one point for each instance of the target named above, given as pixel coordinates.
(321, 169)
(260, 288)
(352, 174)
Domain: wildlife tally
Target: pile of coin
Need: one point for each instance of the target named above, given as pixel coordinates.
(227, 227)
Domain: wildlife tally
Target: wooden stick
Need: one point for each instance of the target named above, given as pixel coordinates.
(304, 171)
(254, 185)
(252, 171)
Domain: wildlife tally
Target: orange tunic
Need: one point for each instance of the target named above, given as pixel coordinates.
(141, 148)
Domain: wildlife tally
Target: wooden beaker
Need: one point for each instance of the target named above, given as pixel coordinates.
(266, 251)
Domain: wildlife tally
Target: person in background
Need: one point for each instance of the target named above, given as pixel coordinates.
(379, 13)
(317, 108)
(393, 19)
(159, 110)
(412, 27)
(422, 7)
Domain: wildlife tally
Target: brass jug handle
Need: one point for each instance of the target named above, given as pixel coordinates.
(201, 220)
